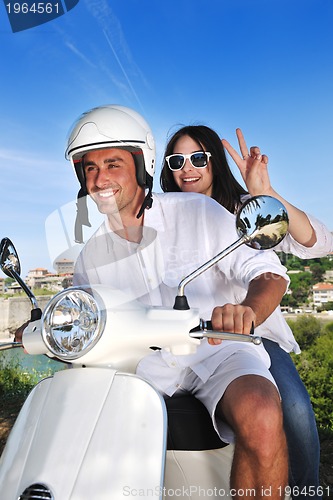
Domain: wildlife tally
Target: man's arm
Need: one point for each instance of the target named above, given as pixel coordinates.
(264, 295)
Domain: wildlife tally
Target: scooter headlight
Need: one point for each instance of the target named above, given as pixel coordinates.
(73, 321)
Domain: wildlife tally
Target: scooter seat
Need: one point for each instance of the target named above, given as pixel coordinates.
(190, 426)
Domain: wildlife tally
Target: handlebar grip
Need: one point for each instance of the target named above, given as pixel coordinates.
(204, 330)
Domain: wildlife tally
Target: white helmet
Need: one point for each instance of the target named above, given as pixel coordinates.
(111, 126)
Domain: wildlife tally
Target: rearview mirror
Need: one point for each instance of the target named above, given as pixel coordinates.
(262, 222)
(10, 265)
(9, 260)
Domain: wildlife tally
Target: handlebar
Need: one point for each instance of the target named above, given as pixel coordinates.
(10, 345)
(204, 330)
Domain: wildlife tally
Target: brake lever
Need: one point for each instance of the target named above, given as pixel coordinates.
(204, 330)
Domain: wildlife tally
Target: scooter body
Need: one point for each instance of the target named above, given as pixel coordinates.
(97, 430)
(86, 434)
(101, 434)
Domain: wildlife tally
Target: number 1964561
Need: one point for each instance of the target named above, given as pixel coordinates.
(35, 8)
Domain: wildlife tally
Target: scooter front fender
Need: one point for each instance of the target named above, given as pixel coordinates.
(87, 433)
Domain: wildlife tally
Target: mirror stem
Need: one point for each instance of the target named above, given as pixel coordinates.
(181, 301)
(26, 289)
(209, 264)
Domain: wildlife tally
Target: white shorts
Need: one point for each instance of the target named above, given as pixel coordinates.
(210, 392)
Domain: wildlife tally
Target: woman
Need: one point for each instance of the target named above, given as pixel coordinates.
(195, 161)
(309, 237)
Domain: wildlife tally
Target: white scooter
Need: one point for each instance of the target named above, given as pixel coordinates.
(97, 431)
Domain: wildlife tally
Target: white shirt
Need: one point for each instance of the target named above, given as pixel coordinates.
(322, 247)
(181, 232)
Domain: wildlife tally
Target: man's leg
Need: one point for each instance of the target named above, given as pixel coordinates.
(251, 406)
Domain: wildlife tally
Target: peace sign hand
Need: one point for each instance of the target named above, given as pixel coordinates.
(252, 166)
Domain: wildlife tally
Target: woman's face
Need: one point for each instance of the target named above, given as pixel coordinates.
(189, 178)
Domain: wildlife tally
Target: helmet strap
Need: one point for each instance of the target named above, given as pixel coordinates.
(148, 201)
(82, 218)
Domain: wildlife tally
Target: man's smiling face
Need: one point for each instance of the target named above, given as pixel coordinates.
(111, 180)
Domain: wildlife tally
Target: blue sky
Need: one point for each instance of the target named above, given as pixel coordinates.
(265, 66)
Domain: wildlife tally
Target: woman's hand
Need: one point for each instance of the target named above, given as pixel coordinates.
(252, 166)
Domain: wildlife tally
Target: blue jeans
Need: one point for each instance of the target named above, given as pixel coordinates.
(299, 422)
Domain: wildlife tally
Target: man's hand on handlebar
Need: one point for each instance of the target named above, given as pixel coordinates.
(234, 318)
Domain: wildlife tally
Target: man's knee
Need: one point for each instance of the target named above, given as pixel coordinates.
(252, 408)
(251, 405)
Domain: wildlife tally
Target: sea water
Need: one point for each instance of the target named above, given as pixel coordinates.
(39, 364)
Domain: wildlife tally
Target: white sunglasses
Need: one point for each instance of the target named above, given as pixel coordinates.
(198, 160)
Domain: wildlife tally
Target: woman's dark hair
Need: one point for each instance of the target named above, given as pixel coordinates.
(226, 190)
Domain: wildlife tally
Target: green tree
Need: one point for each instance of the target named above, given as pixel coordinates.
(327, 306)
(328, 329)
(317, 270)
(289, 300)
(306, 330)
(326, 263)
(9, 281)
(301, 286)
(291, 262)
(315, 365)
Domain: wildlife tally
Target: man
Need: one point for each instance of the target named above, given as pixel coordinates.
(147, 244)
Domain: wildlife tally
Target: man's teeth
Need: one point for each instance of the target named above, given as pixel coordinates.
(106, 194)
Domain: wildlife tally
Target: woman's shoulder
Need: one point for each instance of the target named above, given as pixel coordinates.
(190, 211)
(196, 199)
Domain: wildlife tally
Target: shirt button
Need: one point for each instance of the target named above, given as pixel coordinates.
(173, 363)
